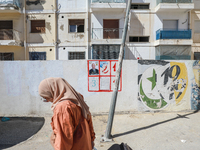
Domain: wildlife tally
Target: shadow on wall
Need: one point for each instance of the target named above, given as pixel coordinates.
(195, 35)
(131, 53)
(35, 38)
(16, 130)
(136, 27)
(35, 4)
(35, 31)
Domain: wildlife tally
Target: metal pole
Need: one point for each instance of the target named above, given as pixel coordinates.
(107, 137)
(56, 29)
(25, 29)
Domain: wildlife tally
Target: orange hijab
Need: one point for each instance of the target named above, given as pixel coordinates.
(60, 90)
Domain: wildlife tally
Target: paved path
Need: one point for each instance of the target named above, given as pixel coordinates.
(150, 131)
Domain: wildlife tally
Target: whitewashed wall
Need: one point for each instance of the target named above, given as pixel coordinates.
(72, 6)
(19, 86)
(19, 83)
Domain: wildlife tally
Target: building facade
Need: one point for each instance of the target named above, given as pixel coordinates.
(92, 29)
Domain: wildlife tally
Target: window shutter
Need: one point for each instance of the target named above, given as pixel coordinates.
(76, 22)
(37, 26)
(76, 55)
(105, 51)
(6, 24)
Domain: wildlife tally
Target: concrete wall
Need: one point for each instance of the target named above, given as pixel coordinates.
(19, 52)
(46, 38)
(64, 50)
(67, 38)
(77, 6)
(195, 16)
(72, 42)
(17, 19)
(14, 46)
(144, 51)
(36, 5)
(146, 86)
(50, 51)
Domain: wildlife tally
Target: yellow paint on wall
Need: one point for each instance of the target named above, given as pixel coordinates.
(50, 51)
(183, 75)
(19, 52)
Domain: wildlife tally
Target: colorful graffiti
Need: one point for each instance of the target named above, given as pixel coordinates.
(195, 85)
(161, 83)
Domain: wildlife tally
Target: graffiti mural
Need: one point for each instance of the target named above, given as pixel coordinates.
(161, 83)
(195, 85)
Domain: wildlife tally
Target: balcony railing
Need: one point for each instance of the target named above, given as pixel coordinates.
(107, 33)
(10, 34)
(173, 34)
(174, 1)
(8, 3)
(108, 1)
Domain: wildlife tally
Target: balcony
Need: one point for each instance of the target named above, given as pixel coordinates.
(174, 5)
(10, 37)
(10, 6)
(108, 5)
(106, 35)
(173, 37)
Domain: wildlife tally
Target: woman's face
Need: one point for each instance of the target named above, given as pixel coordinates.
(47, 99)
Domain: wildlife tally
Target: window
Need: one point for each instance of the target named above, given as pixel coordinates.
(6, 56)
(37, 26)
(111, 29)
(196, 55)
(37, 55)
(139, 6)
(105, 51)
(197, 26)
(170, 24)
(76, 25)
(139, 39)
(6, 30)
(76, 55)
(173, 52)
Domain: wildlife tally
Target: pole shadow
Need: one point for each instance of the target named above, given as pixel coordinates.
(155, 124)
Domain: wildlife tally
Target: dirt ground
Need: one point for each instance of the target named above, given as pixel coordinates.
(149, 131)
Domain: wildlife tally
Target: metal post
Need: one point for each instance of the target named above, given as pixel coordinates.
(25, 29)
(56, 29)
(107, 137)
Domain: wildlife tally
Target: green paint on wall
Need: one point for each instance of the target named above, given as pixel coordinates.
(151, 103)
(153, 79)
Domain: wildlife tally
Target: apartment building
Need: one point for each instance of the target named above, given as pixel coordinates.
(107, 22)
(11, 31)
(92, 29)
(72, 29)
(157, 29)
(195, 26)
(40, 32)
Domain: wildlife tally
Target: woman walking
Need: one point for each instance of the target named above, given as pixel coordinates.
(71, 121)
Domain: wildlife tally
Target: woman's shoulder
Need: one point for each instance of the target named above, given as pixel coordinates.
(64, 105)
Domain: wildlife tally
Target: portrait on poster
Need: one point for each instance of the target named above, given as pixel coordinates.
(101, 75)
(93, 68)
